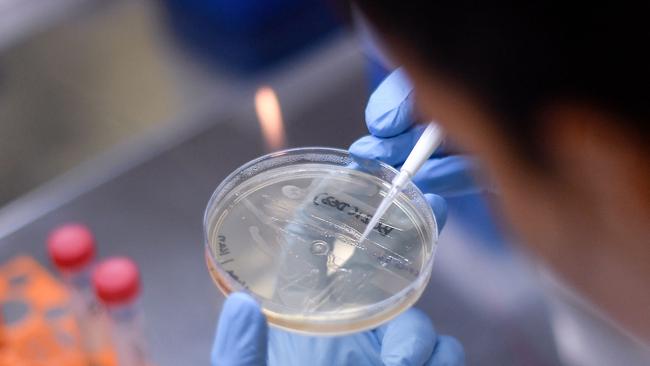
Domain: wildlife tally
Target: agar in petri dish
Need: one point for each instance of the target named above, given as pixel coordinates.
(285, 229)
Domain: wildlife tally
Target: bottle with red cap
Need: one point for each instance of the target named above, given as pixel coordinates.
(72, 249)
(117, 286)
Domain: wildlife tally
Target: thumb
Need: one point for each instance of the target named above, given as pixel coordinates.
(409, 339)
(241, 333)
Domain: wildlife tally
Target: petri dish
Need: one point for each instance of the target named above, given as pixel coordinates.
(285, 227)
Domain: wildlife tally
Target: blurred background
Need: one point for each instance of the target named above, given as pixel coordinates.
(78, 77)
(125, 115)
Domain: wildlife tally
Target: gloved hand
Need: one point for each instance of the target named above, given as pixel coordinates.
(393, 133)
(243, 339)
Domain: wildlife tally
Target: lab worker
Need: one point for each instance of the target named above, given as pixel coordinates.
(551, 98)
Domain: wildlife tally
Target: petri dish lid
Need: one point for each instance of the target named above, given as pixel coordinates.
(285, 227)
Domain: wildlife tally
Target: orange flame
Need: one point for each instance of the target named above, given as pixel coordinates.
(269, 114)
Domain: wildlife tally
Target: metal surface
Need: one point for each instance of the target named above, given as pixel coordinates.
(21, 18)
(153, 210)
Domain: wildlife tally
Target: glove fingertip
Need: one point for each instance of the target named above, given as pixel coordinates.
(439, 207)
(392, 122)
(448, 352)
(409, 339)
(241, 303)
(382, 125)
(389, 108)
(371, 147)
(362, 148)
(241, 333)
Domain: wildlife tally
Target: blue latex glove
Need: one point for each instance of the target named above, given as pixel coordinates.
(243, 338)
(392, 137)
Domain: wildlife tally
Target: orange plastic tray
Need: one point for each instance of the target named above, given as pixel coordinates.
(43, 331)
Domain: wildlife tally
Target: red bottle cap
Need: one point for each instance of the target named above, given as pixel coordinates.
(116, 281)
(71, 246)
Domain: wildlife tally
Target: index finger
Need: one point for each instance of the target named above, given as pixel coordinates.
(390, 108)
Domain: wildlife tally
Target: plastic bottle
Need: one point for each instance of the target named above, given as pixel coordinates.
(72, 249)
(117, 285)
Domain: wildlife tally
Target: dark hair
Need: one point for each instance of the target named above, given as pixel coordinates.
(518, 56)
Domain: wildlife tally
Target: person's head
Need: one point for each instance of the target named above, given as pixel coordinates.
(553, 99)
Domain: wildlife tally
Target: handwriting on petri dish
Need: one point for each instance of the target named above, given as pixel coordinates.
(362, 216)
